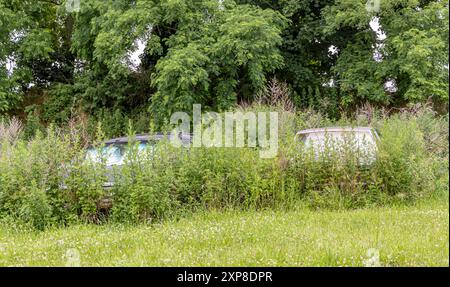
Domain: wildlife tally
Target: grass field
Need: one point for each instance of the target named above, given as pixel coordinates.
(391, 236)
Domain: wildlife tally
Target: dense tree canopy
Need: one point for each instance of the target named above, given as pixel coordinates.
(165, 55)
(411, 52)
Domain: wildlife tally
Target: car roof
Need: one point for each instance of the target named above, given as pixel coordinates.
(335, 129)
(185, 138)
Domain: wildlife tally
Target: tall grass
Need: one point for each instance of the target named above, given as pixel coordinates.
(48, 181)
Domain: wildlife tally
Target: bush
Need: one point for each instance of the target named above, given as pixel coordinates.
(143, 189)
(47, 169)
(403, 166)
(33, 207)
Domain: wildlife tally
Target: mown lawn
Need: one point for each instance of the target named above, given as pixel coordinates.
(401, 236)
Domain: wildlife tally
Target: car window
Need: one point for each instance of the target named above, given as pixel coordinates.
(112, 154)
(116, 154)
(358, 140)
(144, 147)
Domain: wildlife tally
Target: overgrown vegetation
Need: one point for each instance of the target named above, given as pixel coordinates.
(68, 79)
(48, 181)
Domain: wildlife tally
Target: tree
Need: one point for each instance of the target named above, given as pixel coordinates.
(306, 44)
(409, 52)
(34, 48)
(207, 52)
(333, 42)
(226, 61)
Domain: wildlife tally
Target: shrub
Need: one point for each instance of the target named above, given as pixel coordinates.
(33, 124)
(143, 189)
(33, 207)
(403, 166)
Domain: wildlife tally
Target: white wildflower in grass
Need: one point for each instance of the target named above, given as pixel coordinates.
(72, 257)
(373, 258)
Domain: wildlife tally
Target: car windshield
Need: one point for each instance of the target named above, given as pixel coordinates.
(114, 154)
